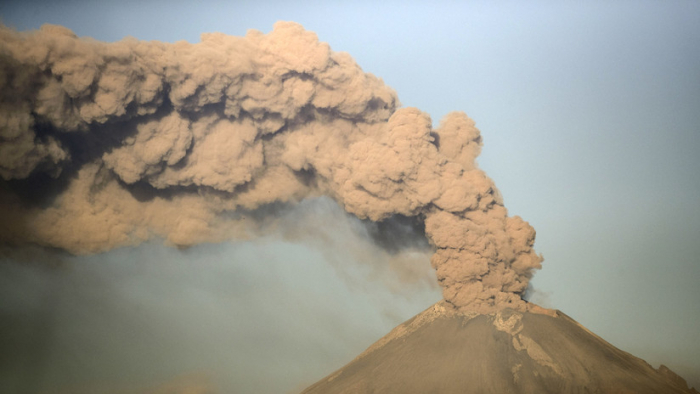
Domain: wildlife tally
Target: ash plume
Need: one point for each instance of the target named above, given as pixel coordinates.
(110, 144)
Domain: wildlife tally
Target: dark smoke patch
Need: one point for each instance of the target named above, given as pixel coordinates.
(37, 190)
(398, 233)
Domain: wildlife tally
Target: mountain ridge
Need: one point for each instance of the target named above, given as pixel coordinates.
(507, 351)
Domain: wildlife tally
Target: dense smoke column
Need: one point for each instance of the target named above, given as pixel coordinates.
(103, 145)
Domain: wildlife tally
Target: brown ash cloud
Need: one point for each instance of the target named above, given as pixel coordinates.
(104, 145)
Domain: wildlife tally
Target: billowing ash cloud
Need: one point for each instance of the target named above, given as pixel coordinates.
(110, 144)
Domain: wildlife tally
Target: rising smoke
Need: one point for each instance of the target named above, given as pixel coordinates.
(111, 144)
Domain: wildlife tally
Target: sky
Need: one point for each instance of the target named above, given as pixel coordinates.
(589, 115)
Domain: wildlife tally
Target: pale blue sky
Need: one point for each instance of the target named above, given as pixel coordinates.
(590, 114)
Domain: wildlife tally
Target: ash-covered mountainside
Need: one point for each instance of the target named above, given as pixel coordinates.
(440, 351)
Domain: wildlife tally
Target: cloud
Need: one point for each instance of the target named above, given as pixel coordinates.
(193, 143)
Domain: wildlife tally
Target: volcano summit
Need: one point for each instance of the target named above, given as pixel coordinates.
(509, 351)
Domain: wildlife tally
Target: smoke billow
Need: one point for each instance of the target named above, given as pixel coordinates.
(110, 144)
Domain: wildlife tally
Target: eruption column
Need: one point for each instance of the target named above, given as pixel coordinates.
(109, 144)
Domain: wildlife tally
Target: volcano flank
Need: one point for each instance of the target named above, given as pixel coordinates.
(508, 351)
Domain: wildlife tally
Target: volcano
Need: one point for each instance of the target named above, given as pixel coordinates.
(508, 351)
